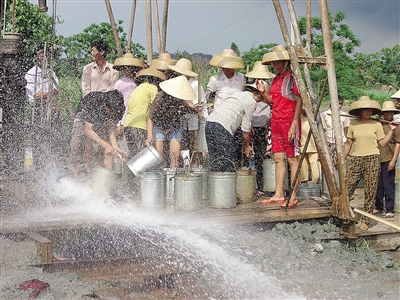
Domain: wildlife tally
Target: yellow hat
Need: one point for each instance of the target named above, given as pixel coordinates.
(364, 102)
(151, 72)
(278, 53)
(128, 60)
(259, 71)
(162, 62)
(389, 106)
(179, 87)
(184, 67)
(227, 59)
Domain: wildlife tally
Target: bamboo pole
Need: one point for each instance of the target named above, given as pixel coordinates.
(149, 29)
(164, 27)
(383, 221)
(114, 27)
(128, 47)
(157, 20)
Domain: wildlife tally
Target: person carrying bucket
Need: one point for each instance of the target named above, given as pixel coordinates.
(164, 120)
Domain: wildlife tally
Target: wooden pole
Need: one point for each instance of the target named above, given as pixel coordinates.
(128, 47)
(149, 31)
(158, 34)
(164, 27)
(383, 221)
(114, 27)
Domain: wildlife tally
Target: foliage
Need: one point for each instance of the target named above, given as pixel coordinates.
(77, 47)
(256, 54)
(357, 245)
(235, 48)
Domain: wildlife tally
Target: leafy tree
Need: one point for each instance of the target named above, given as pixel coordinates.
(235, 48)
(256, 54)
(77, 47)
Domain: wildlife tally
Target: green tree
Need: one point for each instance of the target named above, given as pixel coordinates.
(256, 54)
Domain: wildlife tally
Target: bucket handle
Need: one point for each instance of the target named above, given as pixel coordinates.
(223, 157)
(119, 156)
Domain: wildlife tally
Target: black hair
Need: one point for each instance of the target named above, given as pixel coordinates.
(340, 98)
(115, 102)
(101, 46)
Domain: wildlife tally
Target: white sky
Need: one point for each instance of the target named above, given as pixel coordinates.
(209, 26)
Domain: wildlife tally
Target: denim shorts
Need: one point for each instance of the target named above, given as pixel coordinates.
(173, 134)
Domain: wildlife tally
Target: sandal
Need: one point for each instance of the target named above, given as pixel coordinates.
(364, 227)
(272, 201)
(259, 194)
(291, 205)
(377, 212)
(389, 215)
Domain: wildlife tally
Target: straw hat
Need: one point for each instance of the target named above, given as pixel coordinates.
(389, 106)
(128, 60)
(184, 67)
(364, 102)
(151, 72)
(396, 95)
(162, 62)
(278, 53)
(259, 71)
(253, 86)
(227, 59)
(179, 87)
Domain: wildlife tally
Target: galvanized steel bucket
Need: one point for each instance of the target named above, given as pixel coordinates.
(325, 189)
(269, 180)
(103, 180)
(204, 183)
(187, 191)
(201, 137)
(151, 189)
(222, 189)
(246, 185)
(145, 160)
(309, 190)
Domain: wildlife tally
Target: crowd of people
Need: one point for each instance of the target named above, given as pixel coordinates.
(249, 117)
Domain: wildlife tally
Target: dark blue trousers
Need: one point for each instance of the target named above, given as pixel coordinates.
(385, 190)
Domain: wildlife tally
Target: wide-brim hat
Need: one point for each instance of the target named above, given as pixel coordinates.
(162, 62)
(253, 86)
(364, 102)
(389, 106)
(179, 87)
(128, 60)
(151, 72)
(396, 95)
(184, 67)
(260, 71)
(278, 53)
(227, 59)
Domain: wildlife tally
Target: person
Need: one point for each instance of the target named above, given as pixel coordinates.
(190, 121)
(101, 112)
(225, 83)
(164, 121)
(385, 191)
(396, 96)
(310, 162)
(286, 104)
(326, 118)
(129, 66)
(162, 64)
(260, 125)
(363, 137)
(99, 75)
(135, 124)
(236, 111)
(40, 89)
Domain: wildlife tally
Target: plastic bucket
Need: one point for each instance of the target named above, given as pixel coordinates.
(309, 190)
(187, 191)
(222, 189)
(145, 160)
(246, 185)
(103, 180)
(204, 183)
(151, 189)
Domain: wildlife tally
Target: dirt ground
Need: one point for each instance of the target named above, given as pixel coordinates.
(296, 260)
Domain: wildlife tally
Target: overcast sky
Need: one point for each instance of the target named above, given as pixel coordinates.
(209, 26)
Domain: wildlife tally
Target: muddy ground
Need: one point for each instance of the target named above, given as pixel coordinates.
(296, 260)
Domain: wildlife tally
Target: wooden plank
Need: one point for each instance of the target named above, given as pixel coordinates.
(44, 247)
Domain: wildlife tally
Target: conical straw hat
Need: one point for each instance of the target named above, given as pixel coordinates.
(259, 71)
(364, 102)
(128, 60)
(254, 86)
(389, 106)
(278, 53)
(162, 62)
(179, 87)
(151, 72)
(227, 59)
(396, 95)
(184, 67)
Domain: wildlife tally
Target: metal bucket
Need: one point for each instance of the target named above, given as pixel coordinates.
(269, 180)
(103, 180)
(187, 191)
(222, 189)
(246, 185)
(151, 189)
(309, 190)
(201, 137)
(204, 183)
(169, 174)
(145, 160)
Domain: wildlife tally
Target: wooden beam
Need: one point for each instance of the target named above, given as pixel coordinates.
(114, 27)
(128, 47)
(44, 247)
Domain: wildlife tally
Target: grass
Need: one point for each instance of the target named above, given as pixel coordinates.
(358, 245)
